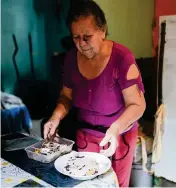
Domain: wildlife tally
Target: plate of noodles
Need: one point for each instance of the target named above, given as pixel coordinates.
(82, 165)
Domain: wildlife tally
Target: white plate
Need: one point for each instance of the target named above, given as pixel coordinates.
(83, 165)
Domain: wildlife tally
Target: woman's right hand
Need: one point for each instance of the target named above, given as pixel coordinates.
(50, 128)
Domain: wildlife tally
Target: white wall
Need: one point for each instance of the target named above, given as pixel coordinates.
(167, 166)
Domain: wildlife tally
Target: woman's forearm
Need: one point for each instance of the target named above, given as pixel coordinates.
(62, 108)
(131, 114)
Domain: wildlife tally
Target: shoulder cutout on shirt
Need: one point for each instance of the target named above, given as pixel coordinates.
(133, 72)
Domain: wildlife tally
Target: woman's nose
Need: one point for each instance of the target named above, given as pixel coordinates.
(82, 42)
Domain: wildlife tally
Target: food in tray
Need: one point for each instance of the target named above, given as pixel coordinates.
(49, 148)
(81, 166)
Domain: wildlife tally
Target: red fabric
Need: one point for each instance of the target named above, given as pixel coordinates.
(122, 167)
(162, 8)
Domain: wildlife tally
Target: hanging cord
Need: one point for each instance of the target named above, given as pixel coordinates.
(123, 138)
(85, 142)
(128, 148)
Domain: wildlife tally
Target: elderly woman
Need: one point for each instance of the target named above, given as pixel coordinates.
(102, 80)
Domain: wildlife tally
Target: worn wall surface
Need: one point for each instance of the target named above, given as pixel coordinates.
(162, 8)
(40, 19)
(130, 23)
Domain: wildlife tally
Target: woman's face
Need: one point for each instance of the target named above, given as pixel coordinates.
(87, 36)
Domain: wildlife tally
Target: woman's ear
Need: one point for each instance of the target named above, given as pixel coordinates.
(103, 37)
(104, 32)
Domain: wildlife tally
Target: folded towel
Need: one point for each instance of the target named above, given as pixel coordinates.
(9, 101)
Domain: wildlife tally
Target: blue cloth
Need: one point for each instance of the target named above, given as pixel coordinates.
(15, 119)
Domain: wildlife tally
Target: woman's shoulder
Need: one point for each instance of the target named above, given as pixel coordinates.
(71, 53)
(70, 59)
(121, 51)
(122, 56)
(71, 56)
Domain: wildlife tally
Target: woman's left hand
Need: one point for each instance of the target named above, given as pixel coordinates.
(111, 137)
